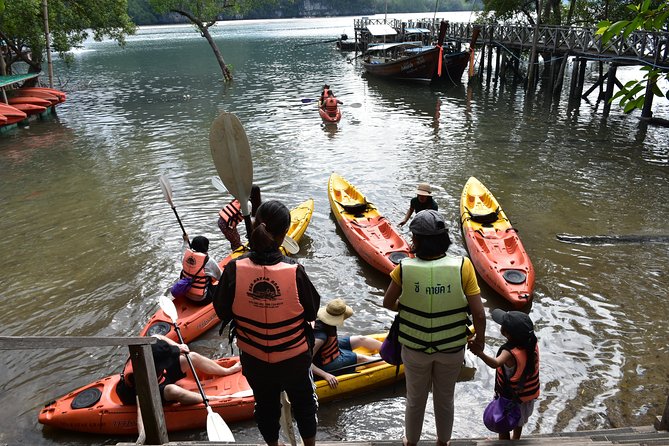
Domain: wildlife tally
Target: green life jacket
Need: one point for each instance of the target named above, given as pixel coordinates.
(433, 307)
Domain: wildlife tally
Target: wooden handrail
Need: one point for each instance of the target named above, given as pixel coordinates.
(146, 382)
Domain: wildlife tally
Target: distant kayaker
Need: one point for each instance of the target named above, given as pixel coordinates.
(230, 216)
(433, 293)
(332, 352)
(422, 201)
(271, 302)
(517, 364)
(171, 366)
(331, 103)
(202, 270)
(324, 94)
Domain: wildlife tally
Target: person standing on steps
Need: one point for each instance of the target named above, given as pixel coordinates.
(422, 201)
(270, 302)
(433, 293)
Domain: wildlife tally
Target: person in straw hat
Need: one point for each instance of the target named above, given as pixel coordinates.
(331, 352)
(422, 201)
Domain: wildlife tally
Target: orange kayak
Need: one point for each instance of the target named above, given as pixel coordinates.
(328, 118)
(194, 320)
(369, 232)
(52, 98)
(52, 91)
(12, 100)
(494, 246)
(12, 114)
(96, 408)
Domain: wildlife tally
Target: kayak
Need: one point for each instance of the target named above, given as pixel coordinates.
(52, 98)
(494, 246)
(328, 118)
(368, 231)
(51, 91)
(12, 100)
(96, 408)
(193, 319)
(12, 114)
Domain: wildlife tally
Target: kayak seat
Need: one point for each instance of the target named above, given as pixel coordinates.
(354, 208)
(485, 219)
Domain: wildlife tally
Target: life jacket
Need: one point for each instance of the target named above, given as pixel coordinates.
(231, 213)
(324, 95)
(193, 265)
(269, 318)
(329, 351)
(331, 105)
(433, 307)
(516, 387)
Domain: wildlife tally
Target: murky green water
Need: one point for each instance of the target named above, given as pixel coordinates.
(89, 242)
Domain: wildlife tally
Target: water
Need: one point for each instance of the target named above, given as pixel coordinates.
(90, 243)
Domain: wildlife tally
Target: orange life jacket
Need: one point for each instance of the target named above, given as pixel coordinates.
(329, 351)
(193, 266)
(231, 213)
(269, 317)
(331, 105)
(530, 387)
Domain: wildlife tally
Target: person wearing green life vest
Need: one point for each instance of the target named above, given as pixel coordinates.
(434, 294)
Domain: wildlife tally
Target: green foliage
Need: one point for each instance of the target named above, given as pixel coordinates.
(648, 17)
(70, 23)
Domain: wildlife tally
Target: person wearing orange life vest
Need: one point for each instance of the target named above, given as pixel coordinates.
(203, 271)
(324, 94)
(171, 366)
(332, 352)
(230, 216)
(271, 302)
(517, 364)
(331, 104)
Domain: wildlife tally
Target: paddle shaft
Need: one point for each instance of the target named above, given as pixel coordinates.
(180, 224)
(192, 367)
(354, 366)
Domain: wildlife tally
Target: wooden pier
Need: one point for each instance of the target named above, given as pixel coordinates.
(516, 50)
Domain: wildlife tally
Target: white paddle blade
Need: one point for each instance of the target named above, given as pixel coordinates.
(217, 428)
(231, 153)
(168, 307)
(290, 245)
(167, 188)
(218, 184)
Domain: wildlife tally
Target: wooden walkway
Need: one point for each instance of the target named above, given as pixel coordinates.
(644, 435)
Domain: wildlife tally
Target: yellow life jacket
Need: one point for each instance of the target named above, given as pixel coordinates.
(269, 317)
(433, 306)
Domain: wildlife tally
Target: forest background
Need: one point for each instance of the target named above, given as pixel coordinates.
(141, 13)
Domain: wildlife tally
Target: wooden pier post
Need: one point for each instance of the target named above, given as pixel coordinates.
(581, 77)
(662, 423)
(610, 83)
(497, 61)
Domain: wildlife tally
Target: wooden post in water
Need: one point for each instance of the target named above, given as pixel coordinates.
(581, 78)
(497, 60)
(610, 82)
(662, 423)
(490, 47)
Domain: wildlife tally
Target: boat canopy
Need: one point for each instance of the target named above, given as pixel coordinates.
(381, 30)
(387, 46)
(14, 78)
(416, 30)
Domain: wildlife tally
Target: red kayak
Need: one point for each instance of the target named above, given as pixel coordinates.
(369, 232)
(29, 109)
(12, 114)
(494, 246)
(52, 91)
(12, 100)
(330, 118)
(52, 98)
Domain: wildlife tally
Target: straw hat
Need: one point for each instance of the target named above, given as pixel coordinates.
(335, 312)
(424, 189)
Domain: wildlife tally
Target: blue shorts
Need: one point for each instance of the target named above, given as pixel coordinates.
(346, 356)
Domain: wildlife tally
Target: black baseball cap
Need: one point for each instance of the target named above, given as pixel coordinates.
(516, 323)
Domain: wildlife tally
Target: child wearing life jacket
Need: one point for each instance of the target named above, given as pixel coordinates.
(203, 271)
(517, 364)
(332, 352)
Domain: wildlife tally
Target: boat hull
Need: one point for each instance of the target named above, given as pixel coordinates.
(421, 66)
(194, 320)
(107, 415)
(453, 66)
(494, 246)
(370, 233)
(328, 118)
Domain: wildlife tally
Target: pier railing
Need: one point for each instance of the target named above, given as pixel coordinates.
(150, 404)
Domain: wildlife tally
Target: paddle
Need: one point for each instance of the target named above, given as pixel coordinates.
(232, 157)
(217, 429)
(354, 366)
(290, 245)
(167, 192)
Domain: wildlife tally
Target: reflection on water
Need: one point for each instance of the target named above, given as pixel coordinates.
(90, 242)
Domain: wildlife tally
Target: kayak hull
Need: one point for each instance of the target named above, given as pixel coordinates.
(494, 246)
(107, 415)
(370, 233)
(328, 118)
(194, 320)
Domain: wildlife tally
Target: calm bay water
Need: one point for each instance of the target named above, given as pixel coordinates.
(89, 242)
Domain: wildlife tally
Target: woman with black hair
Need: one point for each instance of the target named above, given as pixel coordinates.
(517, 364)
(271, 302)
(433, 293)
